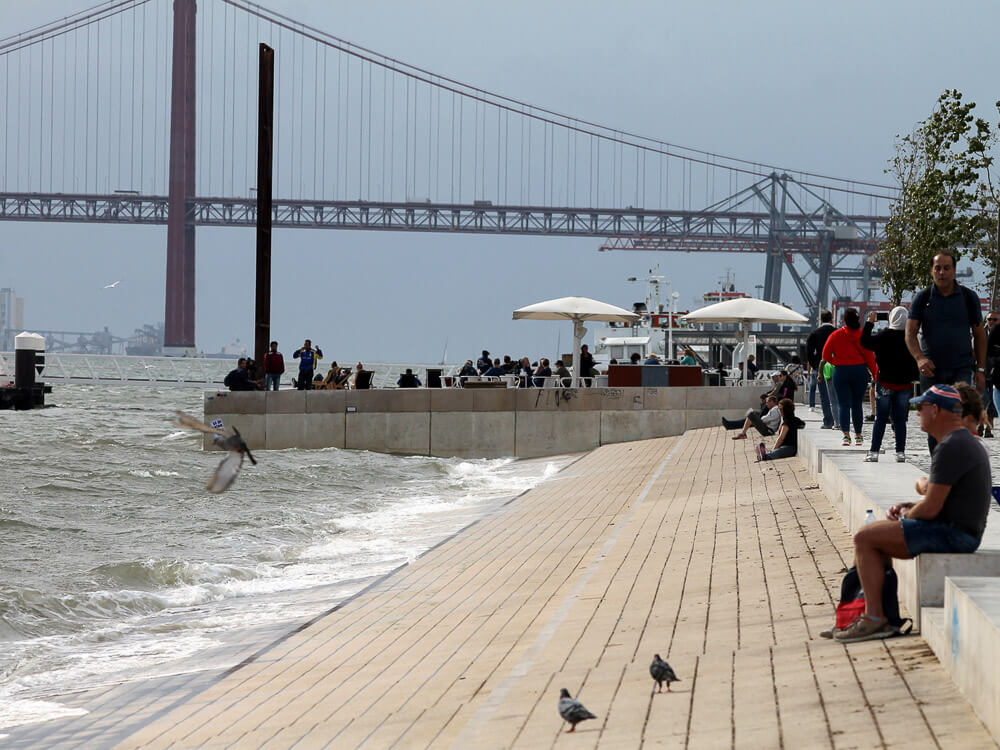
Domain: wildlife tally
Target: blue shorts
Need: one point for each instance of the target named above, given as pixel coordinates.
(932, 536)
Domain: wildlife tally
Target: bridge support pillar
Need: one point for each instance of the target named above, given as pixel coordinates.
(178, 333)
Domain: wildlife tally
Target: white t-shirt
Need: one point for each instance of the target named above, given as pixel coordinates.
(773, 418)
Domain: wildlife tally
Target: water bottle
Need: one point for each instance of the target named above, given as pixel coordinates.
(869, 516)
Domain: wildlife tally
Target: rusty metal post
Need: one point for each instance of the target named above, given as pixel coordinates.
(178, 335)
(265, 149)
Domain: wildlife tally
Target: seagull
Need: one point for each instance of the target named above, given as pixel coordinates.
(230, 466)
(572, 710)
(662, 672)
(112, 285)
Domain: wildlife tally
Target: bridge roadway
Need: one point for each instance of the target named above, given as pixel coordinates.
(682, 546)
(721, 231)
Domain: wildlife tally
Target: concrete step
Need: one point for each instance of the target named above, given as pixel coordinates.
(965, 636)
(932, 619)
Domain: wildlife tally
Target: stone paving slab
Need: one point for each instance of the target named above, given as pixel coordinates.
(682, 546)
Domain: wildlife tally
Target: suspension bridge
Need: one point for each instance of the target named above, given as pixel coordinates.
(144, 112)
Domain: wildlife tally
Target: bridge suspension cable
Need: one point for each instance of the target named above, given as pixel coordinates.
(552, 117)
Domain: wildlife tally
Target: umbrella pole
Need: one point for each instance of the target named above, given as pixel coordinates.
(746, 351)
(579, 331)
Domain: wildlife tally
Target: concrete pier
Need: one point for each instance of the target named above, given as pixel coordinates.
(468, 423)
(683, 546)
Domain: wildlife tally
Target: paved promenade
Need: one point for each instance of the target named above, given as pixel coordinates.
(683, 546)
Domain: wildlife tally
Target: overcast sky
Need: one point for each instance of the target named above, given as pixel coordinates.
(813, 86)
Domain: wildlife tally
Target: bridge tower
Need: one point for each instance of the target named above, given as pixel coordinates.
(178, 334)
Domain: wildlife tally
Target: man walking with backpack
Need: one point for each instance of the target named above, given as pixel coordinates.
(945, 313)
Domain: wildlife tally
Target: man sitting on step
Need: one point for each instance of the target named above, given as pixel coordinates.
(766, 425)
(949, 517)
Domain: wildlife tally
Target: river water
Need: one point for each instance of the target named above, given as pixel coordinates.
(117, 565)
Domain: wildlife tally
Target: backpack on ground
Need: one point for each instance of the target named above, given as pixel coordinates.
(852, 601)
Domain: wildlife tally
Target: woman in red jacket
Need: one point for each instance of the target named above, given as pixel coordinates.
(850, 378)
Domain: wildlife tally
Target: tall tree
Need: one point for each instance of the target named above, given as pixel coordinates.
(938, 167)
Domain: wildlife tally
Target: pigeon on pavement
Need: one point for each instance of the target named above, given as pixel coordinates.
(661, 672)
(572, 710)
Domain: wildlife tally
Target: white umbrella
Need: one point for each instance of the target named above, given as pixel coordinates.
(577, 309)
(745, 311)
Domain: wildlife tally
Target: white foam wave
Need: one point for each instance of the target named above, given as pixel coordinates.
(14, 712)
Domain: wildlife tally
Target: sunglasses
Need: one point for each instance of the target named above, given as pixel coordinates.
(992, 320)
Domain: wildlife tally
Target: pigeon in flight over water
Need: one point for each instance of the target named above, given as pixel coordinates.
(662, 672)
(230, 466)
(572, 710)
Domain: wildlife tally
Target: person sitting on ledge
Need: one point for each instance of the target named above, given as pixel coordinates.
(766, 425)
(239, 379)
(468, 370)
(787, 444)
(408, 379)
(541, 372)
(949, 517)
(495, 370)
(634, 358)
(563, 373)
(972, 407)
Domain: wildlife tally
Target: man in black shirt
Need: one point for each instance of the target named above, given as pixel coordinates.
(949, 517)
(814, 354)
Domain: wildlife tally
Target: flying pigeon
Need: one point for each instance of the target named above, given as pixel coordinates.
(661, 672)
(112, 285)
(572, 710)
(230, 466)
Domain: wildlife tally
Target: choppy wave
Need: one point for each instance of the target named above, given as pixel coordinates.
(117, 564)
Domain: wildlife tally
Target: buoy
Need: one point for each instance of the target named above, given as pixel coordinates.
(29, 360)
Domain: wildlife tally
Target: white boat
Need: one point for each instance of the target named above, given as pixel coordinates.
(651, 335)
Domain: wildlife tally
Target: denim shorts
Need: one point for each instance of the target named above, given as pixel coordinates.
(932, 536)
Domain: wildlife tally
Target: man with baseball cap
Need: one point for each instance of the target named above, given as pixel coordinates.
(949, 517)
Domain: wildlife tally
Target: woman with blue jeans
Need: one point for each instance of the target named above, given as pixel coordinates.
(850, 377)
(896, 372)
(787, 444)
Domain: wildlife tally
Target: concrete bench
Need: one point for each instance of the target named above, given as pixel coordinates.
(854, 487)
(965, 637)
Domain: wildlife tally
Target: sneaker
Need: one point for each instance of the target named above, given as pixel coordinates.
(870, 418)
(740, 436)
(846, 440)
(865, 629)
(826, 427)
(900, 457)
(858, 440)
(872, 457)
(761, 452)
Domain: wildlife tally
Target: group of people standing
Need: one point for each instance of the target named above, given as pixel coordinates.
(249, 376)
(939, 340)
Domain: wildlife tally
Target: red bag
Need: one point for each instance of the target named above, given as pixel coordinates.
(852, 599)
(848, 612)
